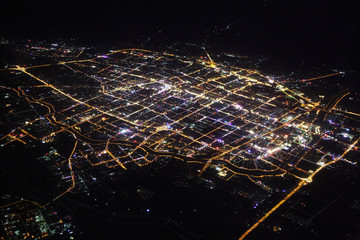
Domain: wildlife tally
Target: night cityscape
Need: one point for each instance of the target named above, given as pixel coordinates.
(232, 120)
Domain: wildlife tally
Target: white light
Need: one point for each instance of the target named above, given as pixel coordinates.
(238, 107)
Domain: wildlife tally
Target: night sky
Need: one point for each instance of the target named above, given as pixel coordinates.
(324, 30)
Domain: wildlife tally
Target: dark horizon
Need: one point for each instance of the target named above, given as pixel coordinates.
(324, 31)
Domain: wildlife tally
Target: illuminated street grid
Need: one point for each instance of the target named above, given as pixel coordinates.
(132, 106)
(161, 104)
